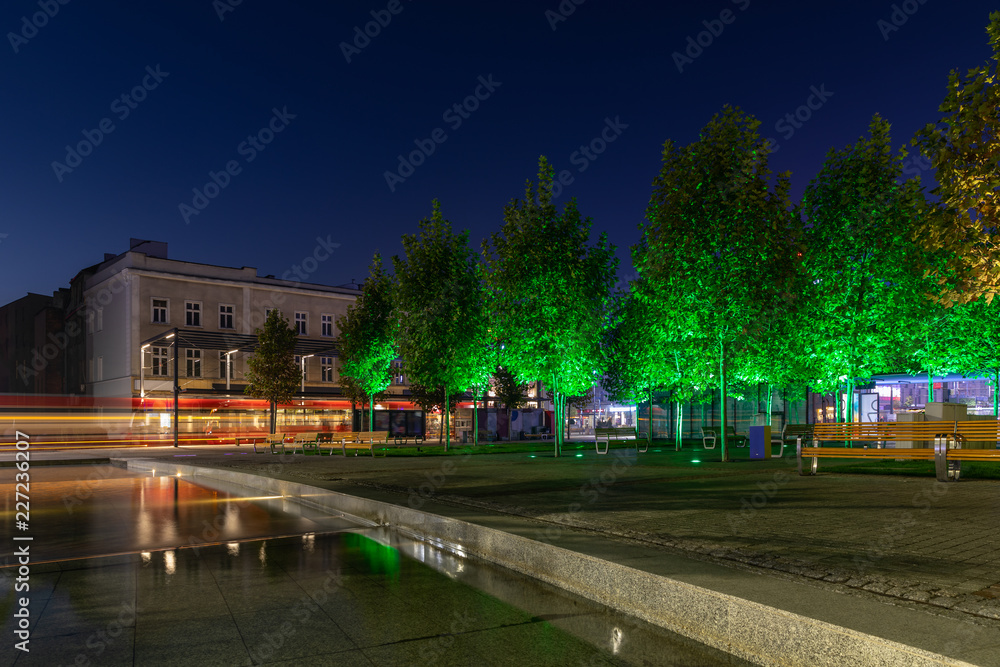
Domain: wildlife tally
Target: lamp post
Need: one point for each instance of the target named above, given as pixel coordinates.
(304, 372)
(229, 367)
(142, 363)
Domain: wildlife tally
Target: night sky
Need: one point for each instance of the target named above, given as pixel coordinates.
(215, 78)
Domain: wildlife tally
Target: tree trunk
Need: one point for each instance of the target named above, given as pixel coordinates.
(770, 397)
(996, 397)
(371, 415)
(475, 420)
(679, 427)
(649, 431)
(555, 416)
(274, 417)
(447, 421)
(930, 387)
(722, 399)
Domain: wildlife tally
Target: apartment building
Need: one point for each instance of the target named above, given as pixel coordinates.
(131, 303)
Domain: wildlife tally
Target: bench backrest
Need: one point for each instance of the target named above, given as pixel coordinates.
(275, 438)
(306, 436)
(795, 430)
(710, 431)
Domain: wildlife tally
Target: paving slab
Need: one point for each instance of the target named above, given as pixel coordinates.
(906, 558)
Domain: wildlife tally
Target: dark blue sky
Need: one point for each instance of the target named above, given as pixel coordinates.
(323, 174)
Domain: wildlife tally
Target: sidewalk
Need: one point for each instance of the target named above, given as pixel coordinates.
(907, 545)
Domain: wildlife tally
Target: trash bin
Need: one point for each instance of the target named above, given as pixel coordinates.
(760, 442)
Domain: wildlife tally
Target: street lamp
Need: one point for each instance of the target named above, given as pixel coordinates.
(304, 372)
(142, 362)
(229, 367)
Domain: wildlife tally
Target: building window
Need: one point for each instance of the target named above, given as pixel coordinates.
(193, 358)
(192, 313)
(267, 313)
(160, 361)
(327, 325)
(100, 368)
(222, 366)
(300, 323)
(226, 316)
(326, 364)
(161, 313)
(100, 319)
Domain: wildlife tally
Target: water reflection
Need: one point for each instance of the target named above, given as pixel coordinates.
(80, 511)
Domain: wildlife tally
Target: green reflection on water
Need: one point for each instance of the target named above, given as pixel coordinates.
(380, 558)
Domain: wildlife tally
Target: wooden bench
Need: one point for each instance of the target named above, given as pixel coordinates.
(790, 434)
(273, 441)
(404, 440)
(618, 435)
(309, 440)
(251, 440)
(947, 437)
(358, 440)
(714, 434)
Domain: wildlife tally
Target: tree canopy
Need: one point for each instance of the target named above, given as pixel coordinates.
(366, 336)
(442, 318)
(272, 373)
(550, 292)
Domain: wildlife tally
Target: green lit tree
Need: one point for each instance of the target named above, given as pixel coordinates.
(432, 399)
(637, 355)
(973, 344)
(508, 391)
(352, 391)
(366, 337)
(442, 319)
(964, 148)
(550, 292)
(716, 239)
(272, 373)
(859, 291)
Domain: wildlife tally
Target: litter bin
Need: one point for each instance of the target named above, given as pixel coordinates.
(760, 442)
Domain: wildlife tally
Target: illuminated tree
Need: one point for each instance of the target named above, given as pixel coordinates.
(637, 359)
(272, 373)
(366, 337)
(442, 319)
(509, 392)
(717, 238)
(859, 291)
(964, 148)
(550, 292)
(975, 344)
(352, 391)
